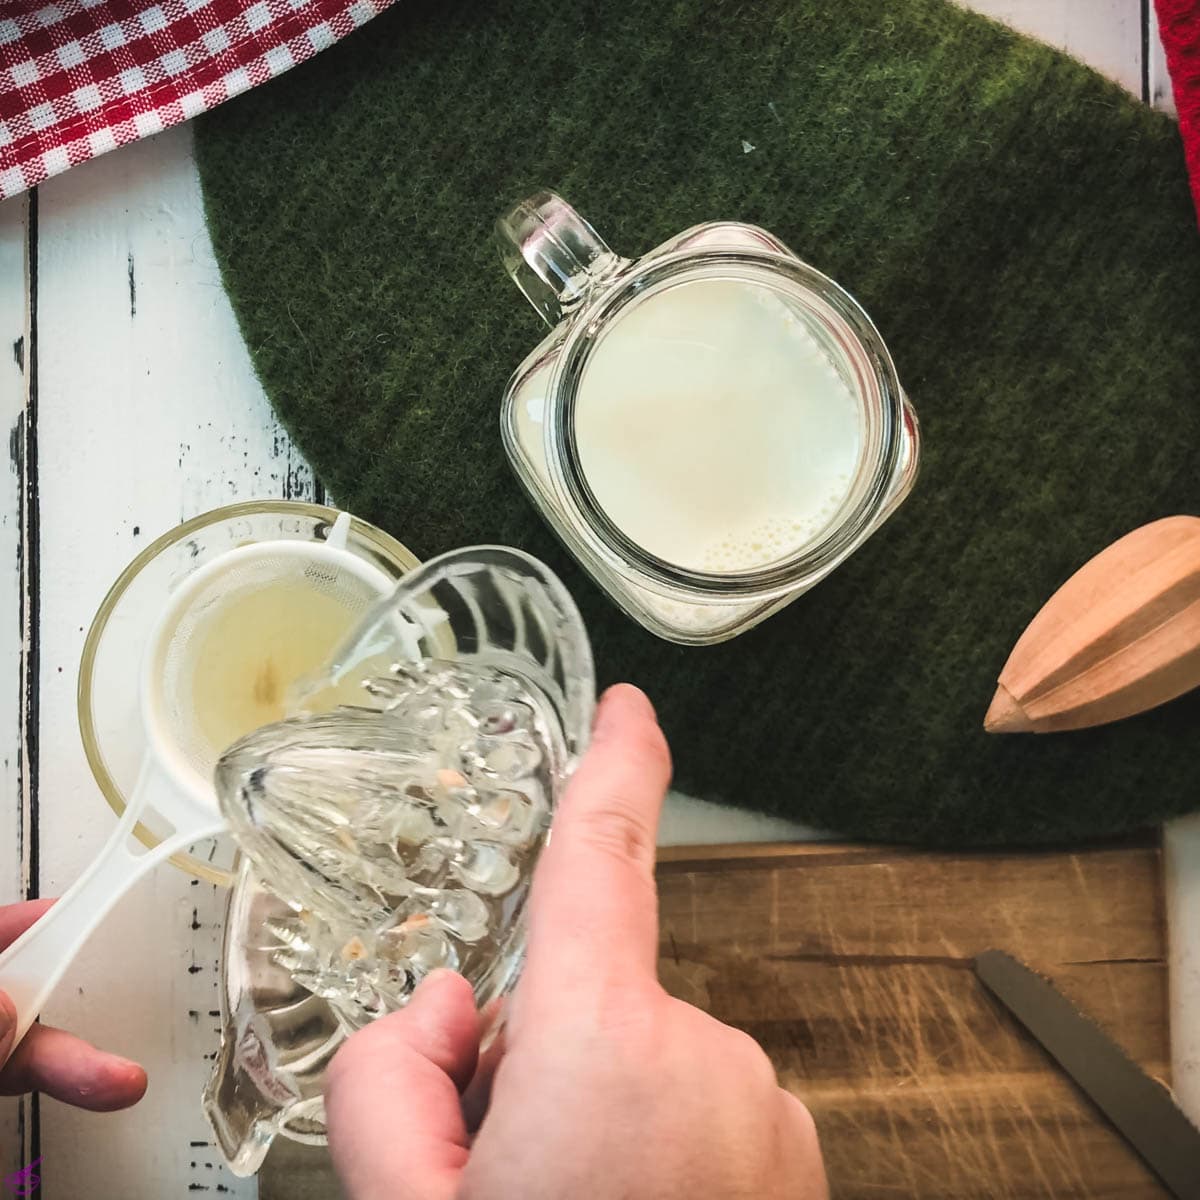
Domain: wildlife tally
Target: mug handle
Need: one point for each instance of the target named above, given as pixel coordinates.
(552, 254)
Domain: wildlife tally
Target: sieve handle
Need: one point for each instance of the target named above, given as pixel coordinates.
(32, 966)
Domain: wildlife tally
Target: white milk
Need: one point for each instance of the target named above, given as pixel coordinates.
(713, 429)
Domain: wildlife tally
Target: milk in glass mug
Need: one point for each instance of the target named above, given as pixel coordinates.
(711, 429)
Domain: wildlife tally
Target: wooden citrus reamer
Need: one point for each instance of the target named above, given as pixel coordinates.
(1122, 635)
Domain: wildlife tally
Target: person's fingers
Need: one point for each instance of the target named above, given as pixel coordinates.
(477, 1095)
(55, 1062)
(52, 1061)
(593, 909)
(396, 1128)
(66, 1067)
(8, 1026)
(16, 918)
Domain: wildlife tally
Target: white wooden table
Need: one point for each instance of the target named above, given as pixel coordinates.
(132, 406)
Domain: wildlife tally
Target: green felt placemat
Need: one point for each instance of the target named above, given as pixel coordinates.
(1019, 229)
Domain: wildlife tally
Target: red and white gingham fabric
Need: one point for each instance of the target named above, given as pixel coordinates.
(1179, 27)
(79, 77)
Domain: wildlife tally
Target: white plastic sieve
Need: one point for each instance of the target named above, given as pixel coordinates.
(175, 738)
(176, 774)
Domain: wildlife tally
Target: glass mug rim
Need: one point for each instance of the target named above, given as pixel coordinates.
(878, 392)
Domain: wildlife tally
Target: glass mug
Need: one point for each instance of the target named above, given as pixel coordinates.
(710, 429)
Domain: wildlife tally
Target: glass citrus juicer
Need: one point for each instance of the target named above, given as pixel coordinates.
(711, 429)
(398, 835)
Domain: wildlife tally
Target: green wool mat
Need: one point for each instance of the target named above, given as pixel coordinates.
(1019, 229)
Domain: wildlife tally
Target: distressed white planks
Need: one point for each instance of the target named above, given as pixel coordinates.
(14, 339)
(146, 417)
(148, 414)
(1181, 856)
(1158, 78)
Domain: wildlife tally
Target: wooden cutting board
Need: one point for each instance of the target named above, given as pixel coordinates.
(851, 965)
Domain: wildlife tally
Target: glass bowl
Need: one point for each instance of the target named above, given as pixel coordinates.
(110, 721)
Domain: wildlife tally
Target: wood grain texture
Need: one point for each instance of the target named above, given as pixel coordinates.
(851, 966)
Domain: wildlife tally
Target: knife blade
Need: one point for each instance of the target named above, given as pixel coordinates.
(1141, 1109)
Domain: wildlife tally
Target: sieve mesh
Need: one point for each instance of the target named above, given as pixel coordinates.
(182, 640)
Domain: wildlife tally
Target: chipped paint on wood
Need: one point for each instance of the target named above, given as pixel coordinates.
(149, 413)
(1158, 78)
(15, 1114)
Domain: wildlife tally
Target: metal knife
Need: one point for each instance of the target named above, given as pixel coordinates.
(1141, 1109)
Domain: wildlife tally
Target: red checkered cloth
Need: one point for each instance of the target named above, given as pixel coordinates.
(79, 77)
(1179, 28)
